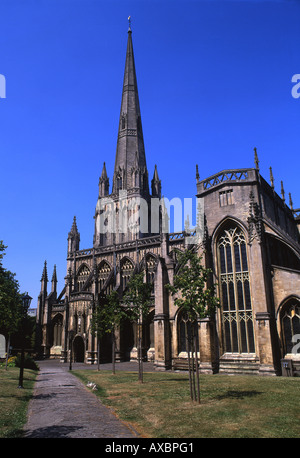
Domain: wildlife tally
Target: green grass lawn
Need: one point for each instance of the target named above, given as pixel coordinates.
(231, 407)
(14, 401)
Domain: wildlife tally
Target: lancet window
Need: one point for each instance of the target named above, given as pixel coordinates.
(186, 332)
(119, 182)
(127, 269)
(290, 326)
(104, 272)
(150, 270)
(82, 276)
(234, 283)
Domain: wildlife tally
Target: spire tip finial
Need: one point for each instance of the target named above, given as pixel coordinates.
(129, 23)
(256, 159)
(271, 178)
(282, 192)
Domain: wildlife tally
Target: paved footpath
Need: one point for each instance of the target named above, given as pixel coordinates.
(63, 407)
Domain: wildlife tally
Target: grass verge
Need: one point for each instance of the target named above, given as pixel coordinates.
(231, 407)
(14, 400)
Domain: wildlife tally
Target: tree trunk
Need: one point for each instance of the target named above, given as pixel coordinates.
(113, 353)
(98, 354)
(189, 362)
(193, 368)
(140, 354)
(197, 370)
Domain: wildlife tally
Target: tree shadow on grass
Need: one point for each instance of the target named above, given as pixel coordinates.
(234, 394)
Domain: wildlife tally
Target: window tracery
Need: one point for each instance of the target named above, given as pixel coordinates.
(234, 281)
(290, 324)
(127, 269)
(104, 272)
(82, 276)
(186, 329)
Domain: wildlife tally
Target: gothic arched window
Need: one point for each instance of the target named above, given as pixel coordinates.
(290, 324)
(149, 264)
(136, 179)
(127, 269)
(235, 297)
(82, 276)
(150, 270)
(119, 183)
(123, 122)
(186, 328)
(104, 272)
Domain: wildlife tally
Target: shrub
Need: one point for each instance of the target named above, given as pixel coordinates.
(11, 362)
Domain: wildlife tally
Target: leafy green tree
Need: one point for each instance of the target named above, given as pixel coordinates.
(195, 296)
(11, 311)
(137, 299)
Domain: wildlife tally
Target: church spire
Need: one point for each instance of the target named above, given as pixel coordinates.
(130, 143)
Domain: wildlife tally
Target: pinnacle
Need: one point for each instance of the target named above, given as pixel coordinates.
(44, 274)
(104, 173)
(54, 276)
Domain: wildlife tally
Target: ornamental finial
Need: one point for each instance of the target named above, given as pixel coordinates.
(197, 173)
(290, 201)
(282, 192)
(129, 23)
(256, 159)
(271, 178)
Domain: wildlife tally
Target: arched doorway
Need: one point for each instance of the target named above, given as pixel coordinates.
(78, 348)
(126, 339)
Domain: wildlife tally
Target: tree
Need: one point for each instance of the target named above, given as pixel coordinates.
(98, 325)
(197, 300)
(137, 298)
(115, 314)
(10, 301)
(107, 316)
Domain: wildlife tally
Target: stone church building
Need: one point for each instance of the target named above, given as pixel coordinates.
(250, 241)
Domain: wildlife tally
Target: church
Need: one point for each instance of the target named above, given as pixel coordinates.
(249, 238)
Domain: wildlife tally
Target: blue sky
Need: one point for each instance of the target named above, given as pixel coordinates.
(214, 82)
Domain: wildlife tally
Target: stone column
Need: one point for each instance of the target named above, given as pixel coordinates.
(206, 329)
(161, 325)
(161, 321)
(260, 296)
